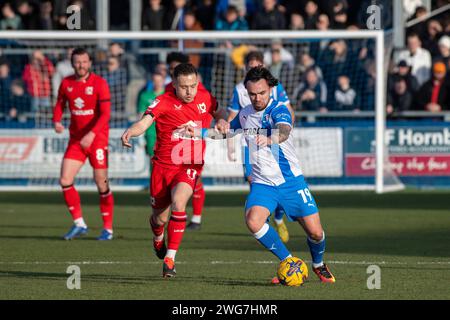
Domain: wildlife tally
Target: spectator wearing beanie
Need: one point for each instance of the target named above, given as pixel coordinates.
(433, 96)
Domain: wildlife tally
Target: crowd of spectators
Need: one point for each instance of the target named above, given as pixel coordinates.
(43, 14)
(325, 75)
(215, 14)
(32, 87)
(420, 79)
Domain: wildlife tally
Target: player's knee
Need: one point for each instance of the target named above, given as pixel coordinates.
(158, 219)
(178, 205)
(102, 184)
(65, 181)
(316, 235)
(254, 222)
(101, 181)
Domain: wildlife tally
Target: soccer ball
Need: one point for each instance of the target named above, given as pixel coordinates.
(292, 272)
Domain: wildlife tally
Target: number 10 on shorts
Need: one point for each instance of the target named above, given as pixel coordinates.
(305, 195)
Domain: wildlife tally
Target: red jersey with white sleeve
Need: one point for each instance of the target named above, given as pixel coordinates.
(89, 103)
(173, 147)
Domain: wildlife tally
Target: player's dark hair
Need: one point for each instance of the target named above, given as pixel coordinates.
(257, 73)
(79, 52)
(254, 55)
(177, 57)
(184, 69)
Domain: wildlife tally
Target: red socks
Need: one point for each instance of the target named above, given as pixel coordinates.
(72, 198)
(198, 199)
(107, 209)
(73, 202)
(175, 229)
(158, 231)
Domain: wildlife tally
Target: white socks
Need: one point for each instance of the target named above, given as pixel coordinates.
(80, 223)
(278, 222)
(196, 219)
(171, 254)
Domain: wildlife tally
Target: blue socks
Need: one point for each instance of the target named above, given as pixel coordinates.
(279, 212)
(270, 239)
(317, 249)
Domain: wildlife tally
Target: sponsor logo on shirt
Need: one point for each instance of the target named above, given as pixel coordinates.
(79, 103)
(89, 91)
(83, 112)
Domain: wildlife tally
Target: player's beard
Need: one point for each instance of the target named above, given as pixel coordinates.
(260, 105)
(81, 73)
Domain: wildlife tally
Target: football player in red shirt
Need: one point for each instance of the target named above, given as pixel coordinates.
(198, 198)
(178, 159)
(88, 98)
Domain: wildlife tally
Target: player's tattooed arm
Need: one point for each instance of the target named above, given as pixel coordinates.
(284, 130)
(220, 113)
(280, 136)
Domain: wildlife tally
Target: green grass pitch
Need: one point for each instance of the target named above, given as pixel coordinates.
(406, 234)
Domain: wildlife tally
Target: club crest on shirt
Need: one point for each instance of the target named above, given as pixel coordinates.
(201, 107)
(89, 91)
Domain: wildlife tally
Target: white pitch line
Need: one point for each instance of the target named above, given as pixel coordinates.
(218, 262)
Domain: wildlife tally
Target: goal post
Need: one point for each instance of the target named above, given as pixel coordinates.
(221, 81)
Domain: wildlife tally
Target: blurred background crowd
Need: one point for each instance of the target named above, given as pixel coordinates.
(322, 76)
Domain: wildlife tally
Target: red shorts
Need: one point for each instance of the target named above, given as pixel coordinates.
(97, 153)
(164, 179)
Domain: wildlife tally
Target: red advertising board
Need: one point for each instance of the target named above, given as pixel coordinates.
(16, 149)
(401, 165)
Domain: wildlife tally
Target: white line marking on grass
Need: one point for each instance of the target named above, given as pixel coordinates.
(216, 262)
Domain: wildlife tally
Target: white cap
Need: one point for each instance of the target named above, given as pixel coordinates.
(444, 41)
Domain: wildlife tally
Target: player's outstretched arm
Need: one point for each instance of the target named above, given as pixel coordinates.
(222, 126)
(136, 130)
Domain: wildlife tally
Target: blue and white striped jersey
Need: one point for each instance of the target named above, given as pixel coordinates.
(272, 165)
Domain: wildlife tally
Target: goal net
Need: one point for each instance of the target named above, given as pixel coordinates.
(335, 82)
